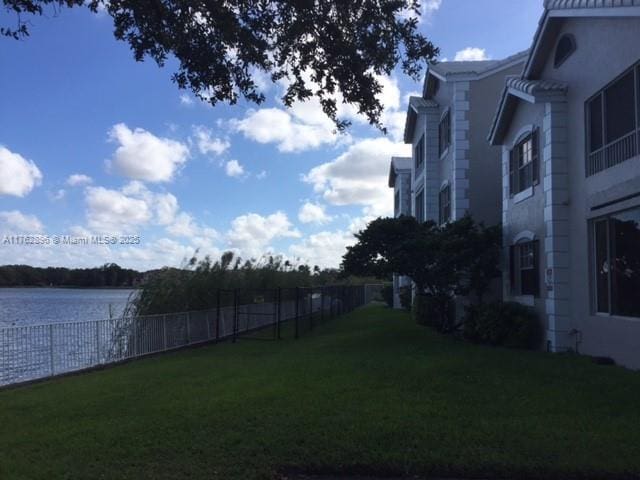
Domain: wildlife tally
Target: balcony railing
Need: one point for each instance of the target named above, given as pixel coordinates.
(613, 153)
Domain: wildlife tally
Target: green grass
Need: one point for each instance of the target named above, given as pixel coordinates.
(370, 392)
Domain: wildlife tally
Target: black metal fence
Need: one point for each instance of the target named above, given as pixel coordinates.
(36, 351)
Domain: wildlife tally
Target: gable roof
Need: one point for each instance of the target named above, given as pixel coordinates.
(452, 71)
(516, 89)
(467, 70)
(416, 105)
(398, 165)
(555, 11)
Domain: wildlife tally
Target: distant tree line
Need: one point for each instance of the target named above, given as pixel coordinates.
(108, 275)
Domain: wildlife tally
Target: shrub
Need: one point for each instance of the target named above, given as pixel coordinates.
(405, 298)
(435, 311)
(387, 295)
(420, 310)
(509, 324)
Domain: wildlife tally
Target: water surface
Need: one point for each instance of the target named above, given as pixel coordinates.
(34, 306)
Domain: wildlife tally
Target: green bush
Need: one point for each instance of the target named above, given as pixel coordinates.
(405, 298)
(420, 310)
(508, 324)
(434, 311)
(387, 295)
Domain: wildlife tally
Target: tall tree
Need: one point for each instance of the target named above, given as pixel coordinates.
(333, 50)
(458, 258)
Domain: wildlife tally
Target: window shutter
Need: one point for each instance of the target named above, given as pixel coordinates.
(536, 268)
(512, 171)
(535, 156)
(512, 268)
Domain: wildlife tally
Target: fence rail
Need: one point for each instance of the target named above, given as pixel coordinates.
(36, 351)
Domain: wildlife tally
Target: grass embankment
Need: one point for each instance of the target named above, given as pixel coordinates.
(368, 392)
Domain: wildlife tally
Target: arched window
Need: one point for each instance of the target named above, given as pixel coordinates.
(524, 265)
(566, 46)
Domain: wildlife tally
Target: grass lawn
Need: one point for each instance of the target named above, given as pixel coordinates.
(370, 392)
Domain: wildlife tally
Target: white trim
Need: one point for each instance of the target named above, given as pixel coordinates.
(519, 136)
(596, 12)
(470, 76)
(528, 300)
(523, 195)
(444, 112)
(524, 235)
(444, 184)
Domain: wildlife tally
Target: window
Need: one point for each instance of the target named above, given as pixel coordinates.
(396, 203)
(616, 257)
(445, 205)
(566, 46)
(524, 267)
(420, 207)
(444, 133)
(419, 154)
(612, 122)
(524, 164)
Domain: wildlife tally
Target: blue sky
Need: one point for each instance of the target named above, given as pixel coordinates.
(94, 143)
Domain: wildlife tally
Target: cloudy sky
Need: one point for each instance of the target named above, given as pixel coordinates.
(92, 142)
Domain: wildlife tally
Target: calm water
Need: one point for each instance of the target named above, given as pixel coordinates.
(32, 306)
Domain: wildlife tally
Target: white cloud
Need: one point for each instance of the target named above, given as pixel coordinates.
(111, 211)
(359, 175)
(186, 99)
(427, 9)
(261, 79)
(251, 234)
(58, 194)
(18, 222)
(313, 213)
(262, 175)
(305, 126)
(143, 156)
(471, 53)
(289, 133)
(134, 207)
(233, 168)
(166, 208)
(324, 249)
(78, 179)
(18, 176)
(184, 225)
(207, 143)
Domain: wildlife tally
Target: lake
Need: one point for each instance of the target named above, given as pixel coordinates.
(35, 306)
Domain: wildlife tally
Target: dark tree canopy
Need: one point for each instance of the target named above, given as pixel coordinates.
(339, 45)
(458, 258)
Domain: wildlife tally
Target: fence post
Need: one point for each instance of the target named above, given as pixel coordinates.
(206, 317)
(97, 341)
(188, 328)
(278, 311)
(235, 314)
(311, 308)
(217, 315)
(297, 310)
(51, 348)
(321, 304)
(135, 336)
(164, 330)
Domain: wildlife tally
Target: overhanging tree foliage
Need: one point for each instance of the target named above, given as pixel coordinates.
(319, 48)
(458, 258)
